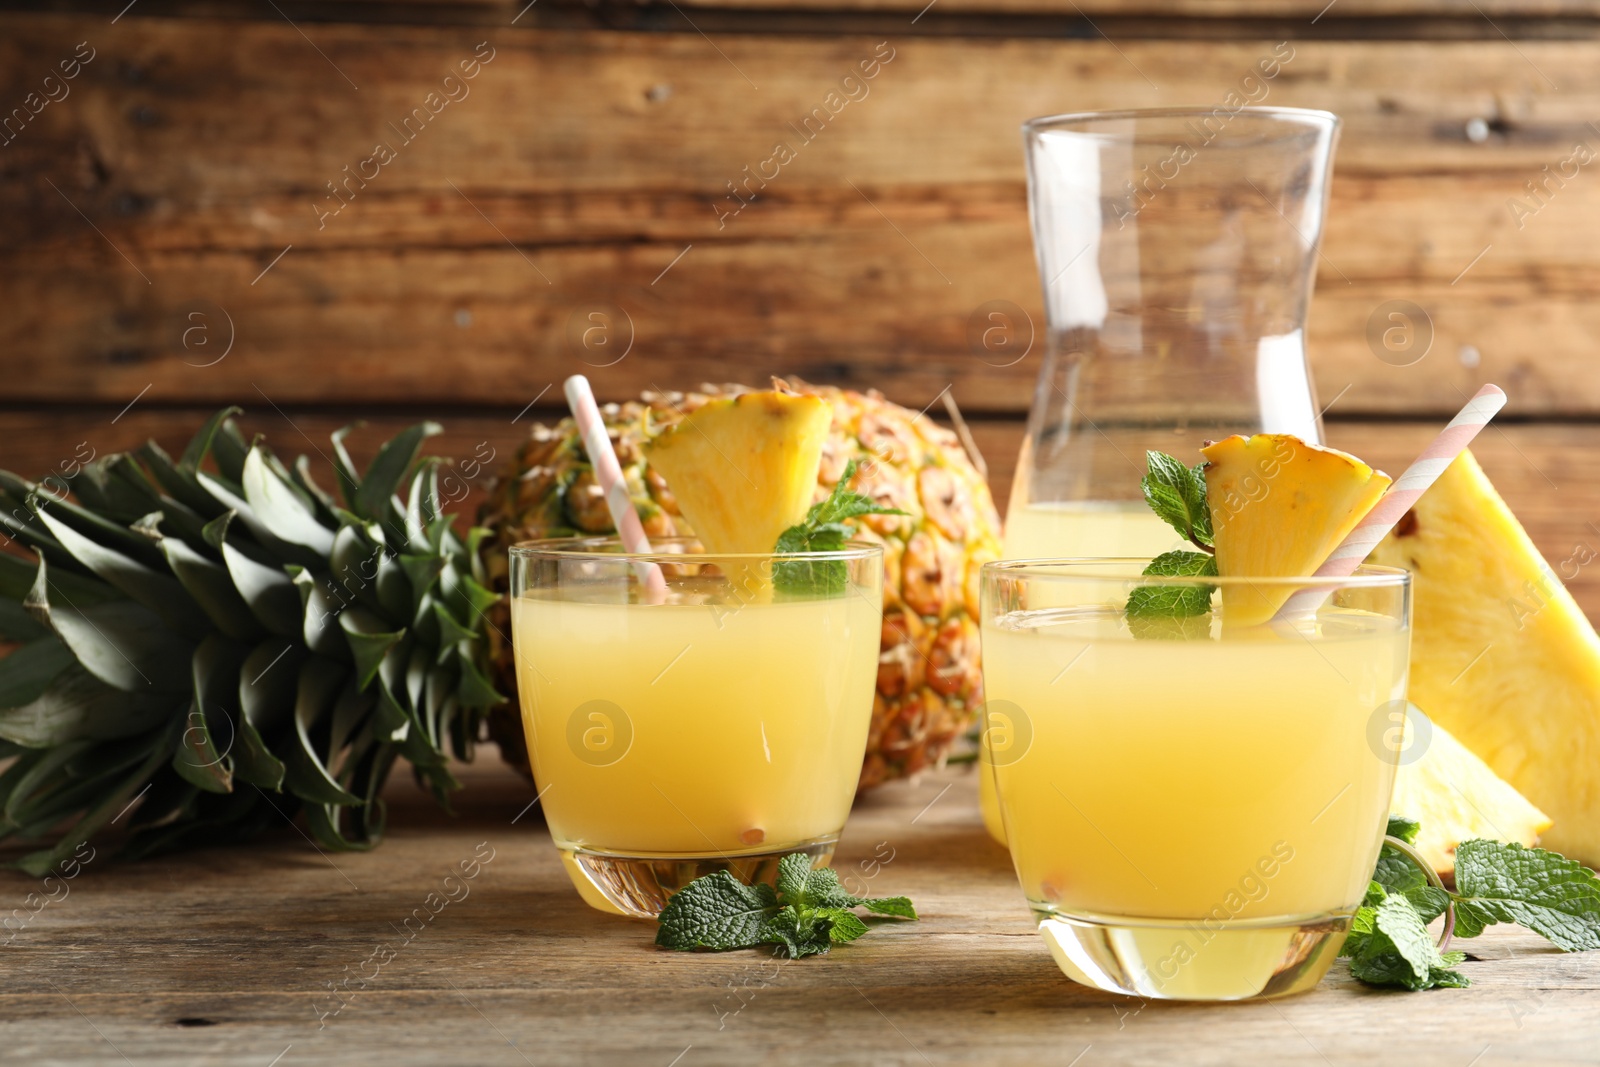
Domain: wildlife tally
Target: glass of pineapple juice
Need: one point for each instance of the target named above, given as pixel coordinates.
(1193, 809)
(718, 727)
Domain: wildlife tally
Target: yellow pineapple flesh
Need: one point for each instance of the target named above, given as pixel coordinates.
(743, 468)
(1454, 796)
(1278, 507)
(1502, 656)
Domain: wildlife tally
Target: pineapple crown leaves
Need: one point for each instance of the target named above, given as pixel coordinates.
(198, 634)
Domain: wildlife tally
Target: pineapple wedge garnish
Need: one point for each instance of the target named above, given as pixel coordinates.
(1502, 656)
(1278, 507)
(744, 468)
(1456, 797)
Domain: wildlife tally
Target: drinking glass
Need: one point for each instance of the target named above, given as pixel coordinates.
(1193, 809)
(1177, 250)
(719, 726)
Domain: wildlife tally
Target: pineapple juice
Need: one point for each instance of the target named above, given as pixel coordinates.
(1070, 529)
(686, 729)
(1058, 530)
(1186, 812)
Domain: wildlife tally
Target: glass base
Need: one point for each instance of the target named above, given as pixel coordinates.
(638, 885)
(1175, 959)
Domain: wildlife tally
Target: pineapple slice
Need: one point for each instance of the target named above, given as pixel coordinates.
(1278, 507)
(1456, 797)
(743, 468)
(1501, 654)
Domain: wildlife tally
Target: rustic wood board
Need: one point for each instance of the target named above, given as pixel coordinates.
(584, 166)
(221, 957)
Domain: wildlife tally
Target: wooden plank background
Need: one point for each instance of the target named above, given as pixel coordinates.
(161, 250)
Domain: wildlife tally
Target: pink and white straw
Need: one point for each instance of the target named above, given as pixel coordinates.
(1422, 473)
(1393, 505)
(608, 472)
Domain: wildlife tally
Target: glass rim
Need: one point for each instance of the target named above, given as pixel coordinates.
(1047, 569)
(1305, 115)
(593, 549)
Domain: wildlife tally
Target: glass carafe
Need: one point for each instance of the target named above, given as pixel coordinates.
(1177, 250)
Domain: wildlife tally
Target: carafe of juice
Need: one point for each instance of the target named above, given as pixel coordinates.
(1177, 250)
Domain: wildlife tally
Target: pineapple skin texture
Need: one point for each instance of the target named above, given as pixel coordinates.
(1502, 656)
(930, 683)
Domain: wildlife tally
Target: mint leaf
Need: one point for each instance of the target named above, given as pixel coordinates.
(899, 907)
(822, 890)
(846, 925)
(1389, 945)
(1403, 828)
(1364, 922)
(1391, 969)
(1408, 875)
(1182, 564)
(1397, 920)
(1556, 898)
(794, 872)
(1446, 977)
(807, 913)
(826, 528)
(1384, 969)
(1396, 873)
(1431, 903)
(1198, 506)
(718, 912)
(1399, 875)
(797, 934)
(1470, 923)
(1177, 494)
(1174, 601)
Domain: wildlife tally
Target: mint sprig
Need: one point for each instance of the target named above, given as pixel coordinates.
(1389, 943)
(826, 528)
(1177, 494)
(1556, 898)
(807, 914)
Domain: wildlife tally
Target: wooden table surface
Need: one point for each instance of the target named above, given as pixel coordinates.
(226, 956)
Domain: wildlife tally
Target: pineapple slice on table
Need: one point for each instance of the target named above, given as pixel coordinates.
(1454, 797)
(1502, 656)
(743, 468)
(1278, 507)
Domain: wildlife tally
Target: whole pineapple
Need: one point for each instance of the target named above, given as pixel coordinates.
(929, 684)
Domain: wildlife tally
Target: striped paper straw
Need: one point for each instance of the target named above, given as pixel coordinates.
(608, 472)
(1393, 505)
